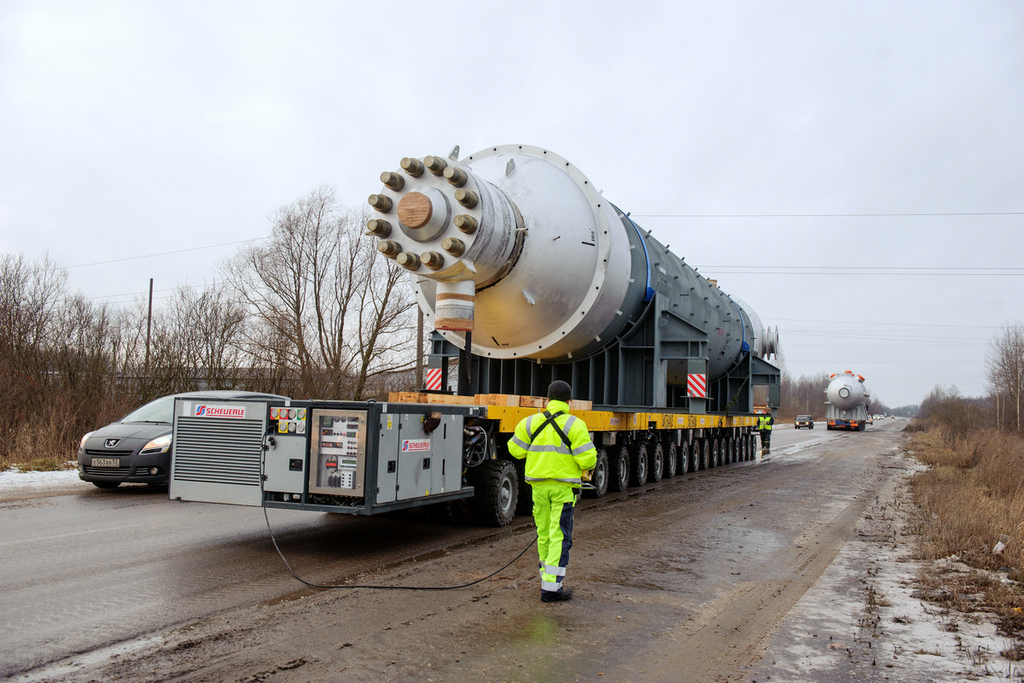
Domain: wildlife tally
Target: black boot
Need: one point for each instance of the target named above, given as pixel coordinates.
(565, 593)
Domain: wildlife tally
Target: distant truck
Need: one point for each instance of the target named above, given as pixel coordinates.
(846, 402)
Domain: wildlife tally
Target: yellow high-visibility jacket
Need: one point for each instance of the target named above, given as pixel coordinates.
(548, 458)
(764, 423)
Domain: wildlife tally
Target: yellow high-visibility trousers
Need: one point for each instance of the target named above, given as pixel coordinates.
(553, 506)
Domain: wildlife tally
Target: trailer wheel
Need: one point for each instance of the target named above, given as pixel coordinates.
(655, 462)
(671, 460)
(733, 451)
(599, 477)
(497, 492)
(716, 453)
(684, 458)
(705, 456)
(638, 464)
(620, 470)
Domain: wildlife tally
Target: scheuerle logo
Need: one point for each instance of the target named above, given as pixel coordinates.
(219, 411)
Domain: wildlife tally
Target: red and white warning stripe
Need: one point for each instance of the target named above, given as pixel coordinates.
(697, 385)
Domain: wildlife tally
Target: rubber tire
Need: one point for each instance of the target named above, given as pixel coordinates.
(655, 461)
(619, 479)
(599, 478)
(705, 455)
(684, 458)
(497, 492)
(638, 464)
(671, 460)
(716, 453)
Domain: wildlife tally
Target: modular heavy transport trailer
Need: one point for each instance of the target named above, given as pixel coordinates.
(366, 458)
(527, 275)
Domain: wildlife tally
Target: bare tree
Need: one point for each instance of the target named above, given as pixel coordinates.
(1005, 366)
(207, 326)
(54, 361)
(325, 304)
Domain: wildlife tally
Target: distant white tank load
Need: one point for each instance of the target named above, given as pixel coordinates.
(846, 400)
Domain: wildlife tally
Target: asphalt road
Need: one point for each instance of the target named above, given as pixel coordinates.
(90, 569)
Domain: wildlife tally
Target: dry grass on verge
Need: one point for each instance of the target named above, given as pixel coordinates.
(972, 499)
(48, 439)
(45, 445)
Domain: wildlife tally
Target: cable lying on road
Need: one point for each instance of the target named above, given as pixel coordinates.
(403, 588)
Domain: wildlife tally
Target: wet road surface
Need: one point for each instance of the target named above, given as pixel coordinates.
(694, 571)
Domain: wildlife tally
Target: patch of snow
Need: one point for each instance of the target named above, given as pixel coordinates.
(864, 620)
(14, 480)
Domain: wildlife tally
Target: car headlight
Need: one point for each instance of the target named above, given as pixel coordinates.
(81, 444)
(158, 445)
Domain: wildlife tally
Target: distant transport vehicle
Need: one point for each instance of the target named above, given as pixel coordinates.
(846, 402)
(803, 421)
(137, 448)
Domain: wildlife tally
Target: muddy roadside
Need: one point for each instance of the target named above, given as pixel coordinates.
(868, 618)
(776, 571)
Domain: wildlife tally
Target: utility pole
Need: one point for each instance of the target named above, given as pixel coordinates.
(419, 348)
(149, 324)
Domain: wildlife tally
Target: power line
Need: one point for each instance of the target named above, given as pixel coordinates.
(166, 253)
(899, 324)
(825, 215)
(944, 271)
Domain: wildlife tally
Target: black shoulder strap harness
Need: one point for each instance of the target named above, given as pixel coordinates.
(551, 421)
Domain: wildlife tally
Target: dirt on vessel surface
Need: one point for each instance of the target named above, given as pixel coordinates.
(794, 569)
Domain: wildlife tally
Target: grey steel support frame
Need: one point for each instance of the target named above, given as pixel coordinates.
(646, 368)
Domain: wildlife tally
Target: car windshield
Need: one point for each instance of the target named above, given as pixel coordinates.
(160, 410)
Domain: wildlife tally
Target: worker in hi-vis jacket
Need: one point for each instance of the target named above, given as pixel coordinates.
(764, 426)
(558, 452)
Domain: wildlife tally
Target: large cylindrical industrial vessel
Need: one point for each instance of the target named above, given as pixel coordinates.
(514, 245)
(846, 391)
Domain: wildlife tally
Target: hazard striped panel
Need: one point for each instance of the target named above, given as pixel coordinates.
(433, 379)
(697, 386)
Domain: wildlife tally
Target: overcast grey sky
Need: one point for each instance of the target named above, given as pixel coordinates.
(852, 171)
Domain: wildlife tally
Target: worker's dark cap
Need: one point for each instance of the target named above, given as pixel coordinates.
(559, 391)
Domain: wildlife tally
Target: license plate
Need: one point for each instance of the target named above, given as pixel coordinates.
(106, 462)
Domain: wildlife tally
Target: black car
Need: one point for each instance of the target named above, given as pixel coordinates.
(803, 421)
(137, 448)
